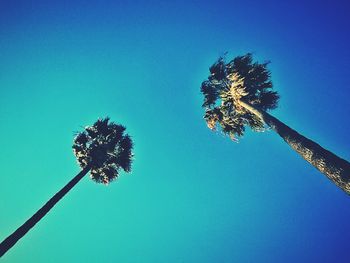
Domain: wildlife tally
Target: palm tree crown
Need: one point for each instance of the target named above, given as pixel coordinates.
(230, 83)
(105, 148)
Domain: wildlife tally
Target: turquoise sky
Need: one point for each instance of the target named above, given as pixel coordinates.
(193, 195)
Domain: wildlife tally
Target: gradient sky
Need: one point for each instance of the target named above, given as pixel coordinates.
(193, 195)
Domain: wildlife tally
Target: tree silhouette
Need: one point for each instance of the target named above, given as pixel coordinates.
(103, 149)
(239, 94)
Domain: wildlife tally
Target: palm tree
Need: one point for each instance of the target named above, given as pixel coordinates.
(103, 149)
(239, 94)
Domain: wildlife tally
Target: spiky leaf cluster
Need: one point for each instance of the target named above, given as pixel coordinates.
(240, 79)
(104, 147)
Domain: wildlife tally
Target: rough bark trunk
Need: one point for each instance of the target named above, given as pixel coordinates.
(11, 240)
(334, 167)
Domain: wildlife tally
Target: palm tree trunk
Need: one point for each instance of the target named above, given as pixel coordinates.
(334, 167)
(11, 240)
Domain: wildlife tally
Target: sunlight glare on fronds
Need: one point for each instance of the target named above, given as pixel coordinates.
(230, 84)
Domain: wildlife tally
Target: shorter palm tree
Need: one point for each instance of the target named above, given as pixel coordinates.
(239, 93)
(103, 149)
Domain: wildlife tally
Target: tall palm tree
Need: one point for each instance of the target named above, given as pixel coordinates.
(103, 149)
(239, 93)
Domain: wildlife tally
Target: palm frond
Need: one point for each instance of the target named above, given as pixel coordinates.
(269, 100)
(218, 70)
(210, 94)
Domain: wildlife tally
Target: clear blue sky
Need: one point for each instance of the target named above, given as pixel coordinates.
(193, 195)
